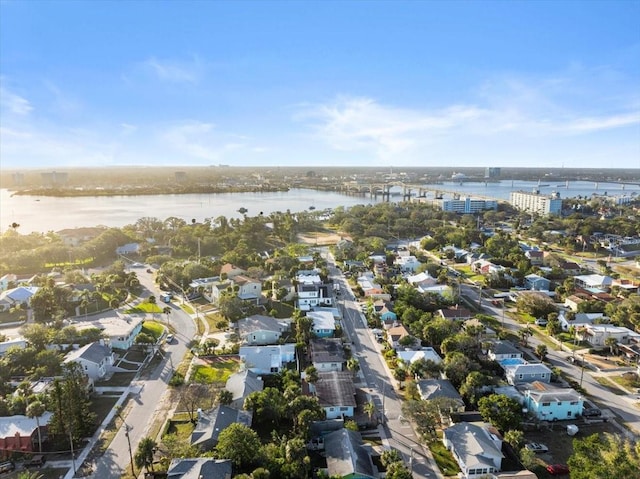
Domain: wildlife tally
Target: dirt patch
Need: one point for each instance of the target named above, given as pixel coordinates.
(319, 238)
(560, 444)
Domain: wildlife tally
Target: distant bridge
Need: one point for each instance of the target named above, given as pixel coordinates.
(408, 191)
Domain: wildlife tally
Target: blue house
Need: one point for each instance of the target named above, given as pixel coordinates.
(550, 403)
(385, 310)
(536, 282)
(324, 325)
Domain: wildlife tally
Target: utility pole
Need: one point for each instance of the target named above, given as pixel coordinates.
(126, 433)
(73, 459)
(582, 371)
(383, 388)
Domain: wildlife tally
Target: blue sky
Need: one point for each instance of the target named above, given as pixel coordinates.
(538, 83)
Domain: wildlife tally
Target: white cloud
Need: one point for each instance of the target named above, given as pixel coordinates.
(200, 141)
(13, 103)
(175, 71)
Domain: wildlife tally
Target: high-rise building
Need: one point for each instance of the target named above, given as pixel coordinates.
(536, 203)
(467, 205)
(492, 172)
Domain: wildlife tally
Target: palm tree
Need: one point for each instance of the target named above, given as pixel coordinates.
(353, 365)
(35, 410)
(30, 475)
(145, 452)
(369, 409)
(167, 312)
(612, 343)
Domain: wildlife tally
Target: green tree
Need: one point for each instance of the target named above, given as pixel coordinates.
(502, 411)
(144, 453)
(541, 351)
(604, 455)
(241, 445)
(225, 397)
(369, 409)
(515, 438)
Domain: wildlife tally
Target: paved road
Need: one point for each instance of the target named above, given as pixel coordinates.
(141, 415)
(399, 433)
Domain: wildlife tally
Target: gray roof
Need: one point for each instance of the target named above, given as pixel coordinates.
(327, 350)
(211, 423)
(528, 368)
(243, 383)
(504, 347)
(199, 467)
(264, 358)
(472, 443)
(346, 454)
(540, 391)
(335, 388)
(258, 322)
(93, 352)
(438, 388)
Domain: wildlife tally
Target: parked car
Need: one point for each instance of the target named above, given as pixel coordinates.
(541, 322)
(557, 469)
(36, 461)
(591, 412)
(169, 338)
(7, 466)
(536, 447)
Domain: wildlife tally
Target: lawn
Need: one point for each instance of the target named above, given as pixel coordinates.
(153, 328)
(444, 459)
(145, 308)
(218, 371)
(215, 319)
(13, 316)
(101, 406)
(181, 428)
(610, 385)
(117, 380)
(627, 380)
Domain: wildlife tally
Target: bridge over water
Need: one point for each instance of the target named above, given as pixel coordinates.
(407, 191)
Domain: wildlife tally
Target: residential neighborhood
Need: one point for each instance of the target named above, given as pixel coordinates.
(324, 352)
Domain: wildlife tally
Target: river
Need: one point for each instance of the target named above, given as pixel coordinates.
(42, 213)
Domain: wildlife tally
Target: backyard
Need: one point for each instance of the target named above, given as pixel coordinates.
(215, 369)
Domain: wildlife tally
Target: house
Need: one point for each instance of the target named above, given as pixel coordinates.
(477, 448)
(230, 271)
(260, 330)
(129, 248)
(267, 359)
(502, 350)
(20, 296)
(597, 334)
(20, 433)
(19, 343)
(550, 403)
(440, 388)
(77, 236)
(384, 309)
(395, 334)
(347, 456)
(241, 384)
(336, 393)
(248, 288)
(573, 301)
(324, 324)
(119, 331)
(526, 373)
(593, 281)
(536, 282)
(96, 359)
(421, 280)
(312, 291)
(199, 468)
(327, 354)
(211, 423)
(369, 287)
(216, 290)
(411, 356)
(407, 263)
(455, 313)
(7, 280)
(580, 320)
(534, 256)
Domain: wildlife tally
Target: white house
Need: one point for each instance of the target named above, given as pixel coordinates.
(260, 330)
(248, 288)
(580, 320)
(120, 331)
(312, 291)
(502, 350)
(476, 448)
(17, 297)
(593, 281)
(96, 359)
(327, 354)
(19, 343)
(267, 359)
(597, 334)
(336, 393)
(421, 280)
(407, 263)
(411, 356)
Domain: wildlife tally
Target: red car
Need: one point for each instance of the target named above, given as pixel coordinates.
(557, 469)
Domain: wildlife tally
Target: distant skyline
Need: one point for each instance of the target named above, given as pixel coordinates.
(338, 83)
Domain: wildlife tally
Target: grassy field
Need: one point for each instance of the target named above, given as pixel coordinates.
(628, 380)
(216, 372)
(444, 459)
(153, 328)
(145, 308)
(213, 320)
(181, 428)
